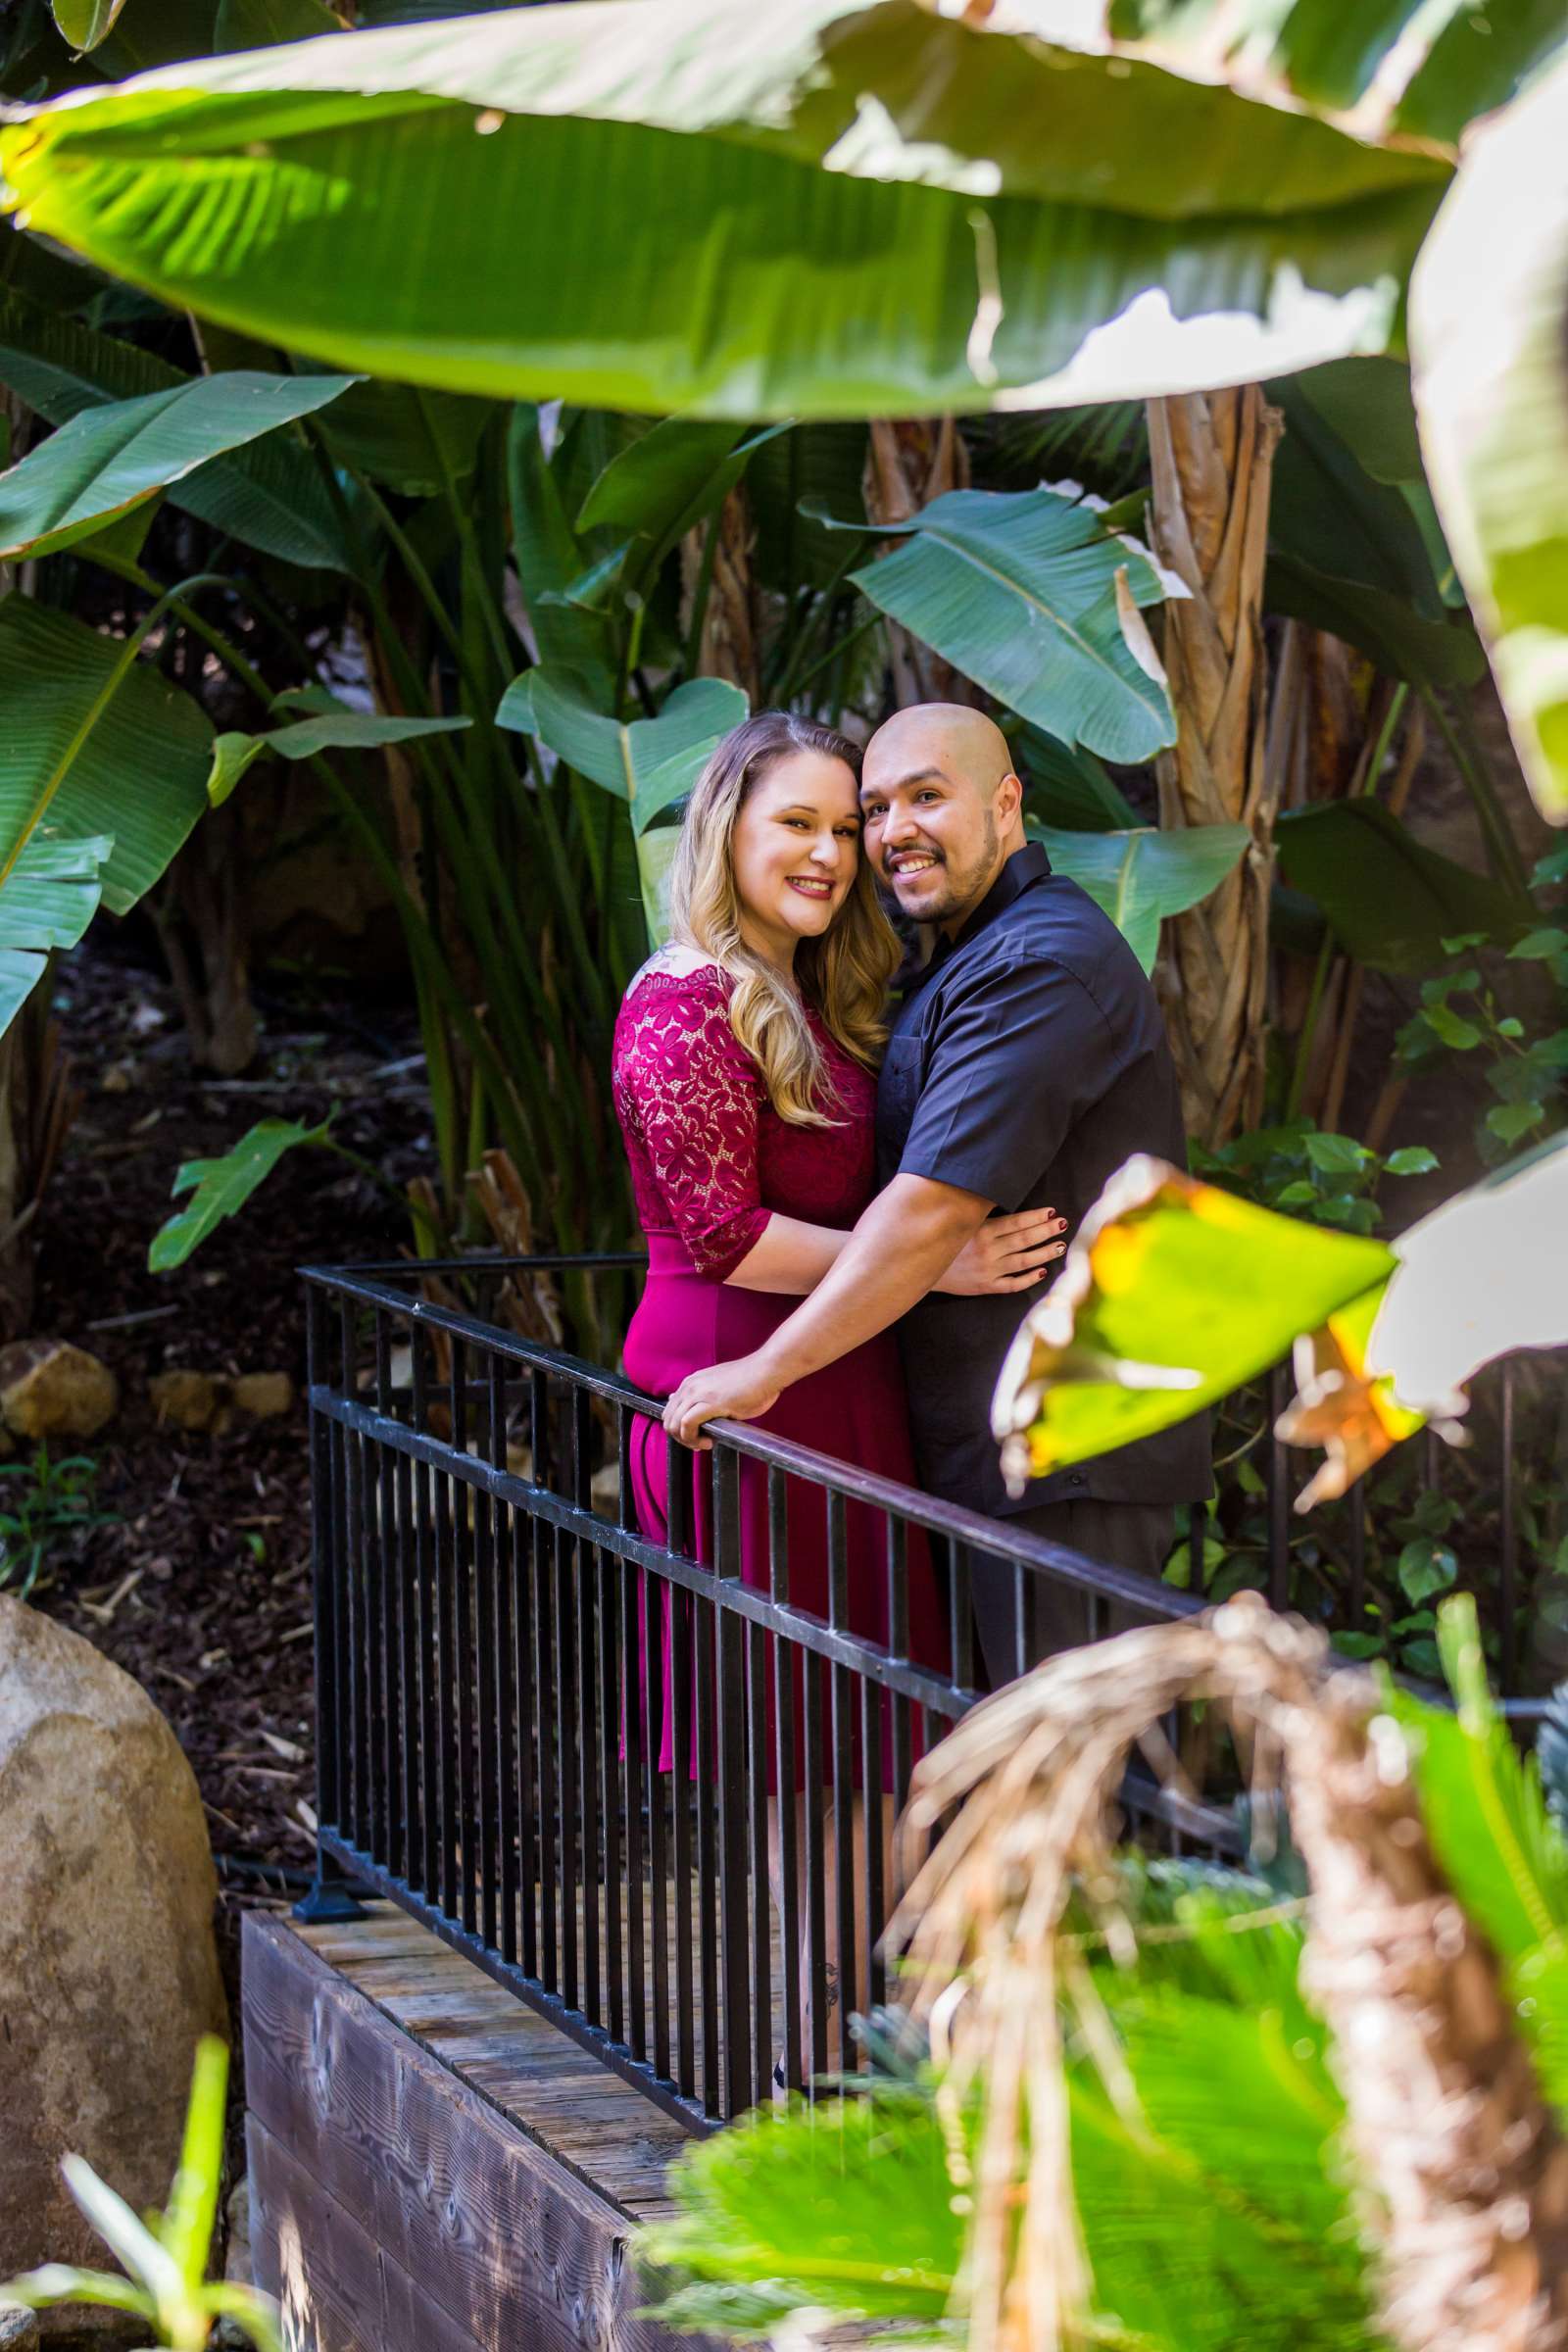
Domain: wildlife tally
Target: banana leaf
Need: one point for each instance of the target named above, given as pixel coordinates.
(1489, 328)
(47, 900)
(92, 747)
(110, 458)
(1405, 67)
(218, 1186)
(1390, 900)
(871, 209)
(271, 495)
(1140, 877)
(1019, 590)
(649, 763)
(84, 22)
(327, 726)
(1067, 786)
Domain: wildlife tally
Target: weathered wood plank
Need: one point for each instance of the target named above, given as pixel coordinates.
(340, 2291)
(491, 2223)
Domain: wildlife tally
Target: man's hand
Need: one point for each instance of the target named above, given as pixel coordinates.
(739, 1391)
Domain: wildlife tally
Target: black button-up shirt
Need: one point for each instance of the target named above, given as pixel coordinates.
(1027, 1064)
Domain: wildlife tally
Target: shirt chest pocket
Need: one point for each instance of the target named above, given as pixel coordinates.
(899, 1087)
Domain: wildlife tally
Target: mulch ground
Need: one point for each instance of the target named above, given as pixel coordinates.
(198, 1583)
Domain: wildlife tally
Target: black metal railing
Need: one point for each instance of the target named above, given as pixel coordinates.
(491, 1676)
(501, 1654)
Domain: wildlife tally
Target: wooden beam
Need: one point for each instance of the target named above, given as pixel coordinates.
(387, 2147)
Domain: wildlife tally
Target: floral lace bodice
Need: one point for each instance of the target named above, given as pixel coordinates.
(710, 1158)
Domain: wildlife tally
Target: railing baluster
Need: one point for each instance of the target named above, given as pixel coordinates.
(659, 1720)
(326, 1567)
(465, 1510)
(815, 1780)
(356, 1810)
(876, 1904)
(430, 1652)
(786, 1803)
(386, 1832)
(633, 1738)
(583, 1560)
(544, 1615)
(487, 1619)
(524, 1598)
(734, 1905)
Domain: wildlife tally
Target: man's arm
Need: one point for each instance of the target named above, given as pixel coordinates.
(902, 1244)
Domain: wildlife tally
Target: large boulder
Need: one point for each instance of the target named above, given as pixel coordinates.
(108, 1966)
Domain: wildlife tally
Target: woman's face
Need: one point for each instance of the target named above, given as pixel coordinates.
(796, 849)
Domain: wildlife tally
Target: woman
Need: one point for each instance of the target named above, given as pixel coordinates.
(744, 1079)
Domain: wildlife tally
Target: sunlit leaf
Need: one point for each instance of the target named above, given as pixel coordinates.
(1172, 1294)
(877, 210)
(84, 22)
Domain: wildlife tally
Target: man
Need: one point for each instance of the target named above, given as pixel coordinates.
(1027, 1064)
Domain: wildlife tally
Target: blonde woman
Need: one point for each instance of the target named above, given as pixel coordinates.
(745, 1063)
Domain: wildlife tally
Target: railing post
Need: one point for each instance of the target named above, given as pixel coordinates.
(331, 1894)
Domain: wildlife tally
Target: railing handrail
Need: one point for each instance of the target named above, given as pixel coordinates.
(951, 1521)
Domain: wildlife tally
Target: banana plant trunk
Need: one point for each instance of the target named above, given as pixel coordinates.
(1213, 455)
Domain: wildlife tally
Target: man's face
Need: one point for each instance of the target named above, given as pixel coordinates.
(930, 836)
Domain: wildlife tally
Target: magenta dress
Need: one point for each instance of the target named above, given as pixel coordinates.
(711, 1161)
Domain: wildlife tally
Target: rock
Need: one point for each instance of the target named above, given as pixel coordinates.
(261, 1394)
(19, 2330)
(108, 1966)
(50, 1389)
(184, 1399)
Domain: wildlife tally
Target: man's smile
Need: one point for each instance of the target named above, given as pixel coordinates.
(912, 862)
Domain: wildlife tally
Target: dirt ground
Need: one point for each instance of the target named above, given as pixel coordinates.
(199, 1582)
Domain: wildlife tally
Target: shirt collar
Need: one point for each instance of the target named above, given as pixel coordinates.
(1022, 870)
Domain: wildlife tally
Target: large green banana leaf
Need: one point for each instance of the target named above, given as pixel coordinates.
(649, 763)
(1067, 786)
(1390, 902)
(712, 209)
(47, 900)
(1019, 590)
(92, 745)
(271, 495)
(1489, 330)
(1142, 876)
(1417, 69)
(113, 458)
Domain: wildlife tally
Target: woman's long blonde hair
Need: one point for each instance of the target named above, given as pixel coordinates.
(844, 974)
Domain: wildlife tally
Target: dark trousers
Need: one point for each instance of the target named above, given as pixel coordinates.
(1136, 1535)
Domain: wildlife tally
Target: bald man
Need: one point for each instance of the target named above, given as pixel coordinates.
(1027, 1062)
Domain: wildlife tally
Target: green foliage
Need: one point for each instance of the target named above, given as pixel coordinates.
(1389, 900)
(44, 1507)
(1210, 2208)
(1020, 592)
(1327, 1179)
(844, 2207)
(1498, 1844)
(1464, 1013)
(899, 289)
(222, 1186)
(110, 457)
(329, 726)
(1142, 876)
(164, 2258)
(1173, 1294)
(1489, 328)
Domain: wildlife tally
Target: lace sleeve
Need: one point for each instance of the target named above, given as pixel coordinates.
(693, 1094)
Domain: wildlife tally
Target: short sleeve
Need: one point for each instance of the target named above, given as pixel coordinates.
(1012, 1061)
(692, 1094)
